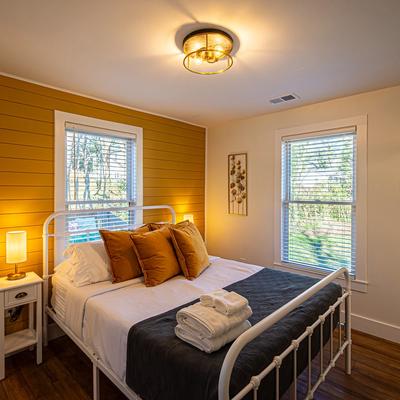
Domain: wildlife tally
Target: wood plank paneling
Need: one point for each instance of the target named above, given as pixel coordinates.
(184, 191)
(25, 124)
(173, 182)
(26, 138)
(8, 164)
(172, 174)
(26, 179)
(166, 138)
(26, 111)
(44, 93)
(25, 152)
(100, 110)
(26, 192)
(174, 158)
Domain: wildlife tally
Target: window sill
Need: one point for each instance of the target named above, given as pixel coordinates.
(356, 285)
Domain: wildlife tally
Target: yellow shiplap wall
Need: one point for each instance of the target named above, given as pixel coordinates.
(174, 159)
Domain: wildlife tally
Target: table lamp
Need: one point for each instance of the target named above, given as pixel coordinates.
(188, 217)
(15, 252)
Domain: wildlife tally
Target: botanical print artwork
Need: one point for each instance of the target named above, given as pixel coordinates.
(237, 184)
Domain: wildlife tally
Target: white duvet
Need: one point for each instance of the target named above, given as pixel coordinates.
(101, 314)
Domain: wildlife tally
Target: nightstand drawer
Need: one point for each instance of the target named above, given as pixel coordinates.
(20, 295)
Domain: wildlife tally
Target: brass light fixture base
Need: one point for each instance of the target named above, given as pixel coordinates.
(15, 276)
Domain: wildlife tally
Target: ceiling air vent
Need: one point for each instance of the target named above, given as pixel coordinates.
(285, 98)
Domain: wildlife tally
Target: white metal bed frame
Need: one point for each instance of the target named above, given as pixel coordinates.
(344, 343)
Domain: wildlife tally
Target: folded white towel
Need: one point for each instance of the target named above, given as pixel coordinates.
(208, 345)
(208, 322)
(230, 303)
(208, 299)
(225, 302)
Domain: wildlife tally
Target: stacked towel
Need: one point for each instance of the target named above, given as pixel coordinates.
(206, 344)
(219, 318)
(208, 300)
(225, 302)
(208, 322)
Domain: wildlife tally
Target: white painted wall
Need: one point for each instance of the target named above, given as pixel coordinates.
(251, 238)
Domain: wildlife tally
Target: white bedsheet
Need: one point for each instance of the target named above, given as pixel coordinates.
(102, 314)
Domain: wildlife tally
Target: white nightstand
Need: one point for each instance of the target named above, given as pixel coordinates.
(17, 293)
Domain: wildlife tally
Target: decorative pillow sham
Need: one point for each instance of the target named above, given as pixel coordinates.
(90, 263)
(65, 268)
(124, 262)
(190, 249)
(158, 225)
(156, 256)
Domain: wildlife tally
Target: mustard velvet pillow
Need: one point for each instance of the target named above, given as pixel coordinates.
(190, 249)
(158, 225)
(123, 259)
(156, 256)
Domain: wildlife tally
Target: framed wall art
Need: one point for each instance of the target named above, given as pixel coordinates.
(237, 184)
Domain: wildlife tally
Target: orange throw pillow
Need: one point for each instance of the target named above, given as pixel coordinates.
(124, 262)
(190, 249)
(156, 256)
(158, 225)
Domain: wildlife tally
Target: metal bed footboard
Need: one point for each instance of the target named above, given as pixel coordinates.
(344, 345)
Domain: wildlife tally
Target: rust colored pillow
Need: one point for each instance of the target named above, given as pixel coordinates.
(158, 225)
(124, 262)
(190, 249)
(156, 256)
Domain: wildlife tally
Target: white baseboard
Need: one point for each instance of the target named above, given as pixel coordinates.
(376, 328)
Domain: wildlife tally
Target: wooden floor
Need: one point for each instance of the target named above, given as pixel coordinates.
(66, 374)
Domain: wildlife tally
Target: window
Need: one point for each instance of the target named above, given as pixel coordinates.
(98, 165)
(319, 190)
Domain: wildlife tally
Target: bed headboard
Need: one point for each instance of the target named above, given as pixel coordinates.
(83, 225)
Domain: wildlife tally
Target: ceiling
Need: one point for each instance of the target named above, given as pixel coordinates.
(125, 51)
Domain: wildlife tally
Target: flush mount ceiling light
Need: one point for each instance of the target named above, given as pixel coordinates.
(207, 51)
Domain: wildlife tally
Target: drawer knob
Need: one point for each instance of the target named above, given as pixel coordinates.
(21, 295)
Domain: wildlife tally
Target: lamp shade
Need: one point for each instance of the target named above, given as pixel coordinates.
(188, 217)
(15, 247)
(208, 51)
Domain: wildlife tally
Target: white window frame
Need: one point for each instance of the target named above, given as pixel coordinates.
(319, 129)
(121, 130)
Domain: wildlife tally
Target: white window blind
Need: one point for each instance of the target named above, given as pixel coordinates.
(318, 201)
(100, 172)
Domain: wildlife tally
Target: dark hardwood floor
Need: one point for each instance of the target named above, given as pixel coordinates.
(66, 374)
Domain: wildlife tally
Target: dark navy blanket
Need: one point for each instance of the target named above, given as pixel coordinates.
(162, 367)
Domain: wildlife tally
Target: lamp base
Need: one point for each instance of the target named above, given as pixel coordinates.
(15, 276)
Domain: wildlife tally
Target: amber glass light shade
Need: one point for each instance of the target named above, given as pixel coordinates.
(208, 51)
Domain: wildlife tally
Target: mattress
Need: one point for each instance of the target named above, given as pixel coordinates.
(102, 314)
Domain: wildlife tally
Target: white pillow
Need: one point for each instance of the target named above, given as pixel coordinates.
(66, 269)
(90, 262)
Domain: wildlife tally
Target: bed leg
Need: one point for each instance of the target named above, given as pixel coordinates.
(348, 335)
(45, 328)
(96, 383)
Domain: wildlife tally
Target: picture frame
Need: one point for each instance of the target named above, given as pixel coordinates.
(237, 184)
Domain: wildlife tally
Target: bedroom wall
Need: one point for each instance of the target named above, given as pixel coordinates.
(251, 238)
(174, 159)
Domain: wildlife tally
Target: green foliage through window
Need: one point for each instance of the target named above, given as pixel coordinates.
(318, 204)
